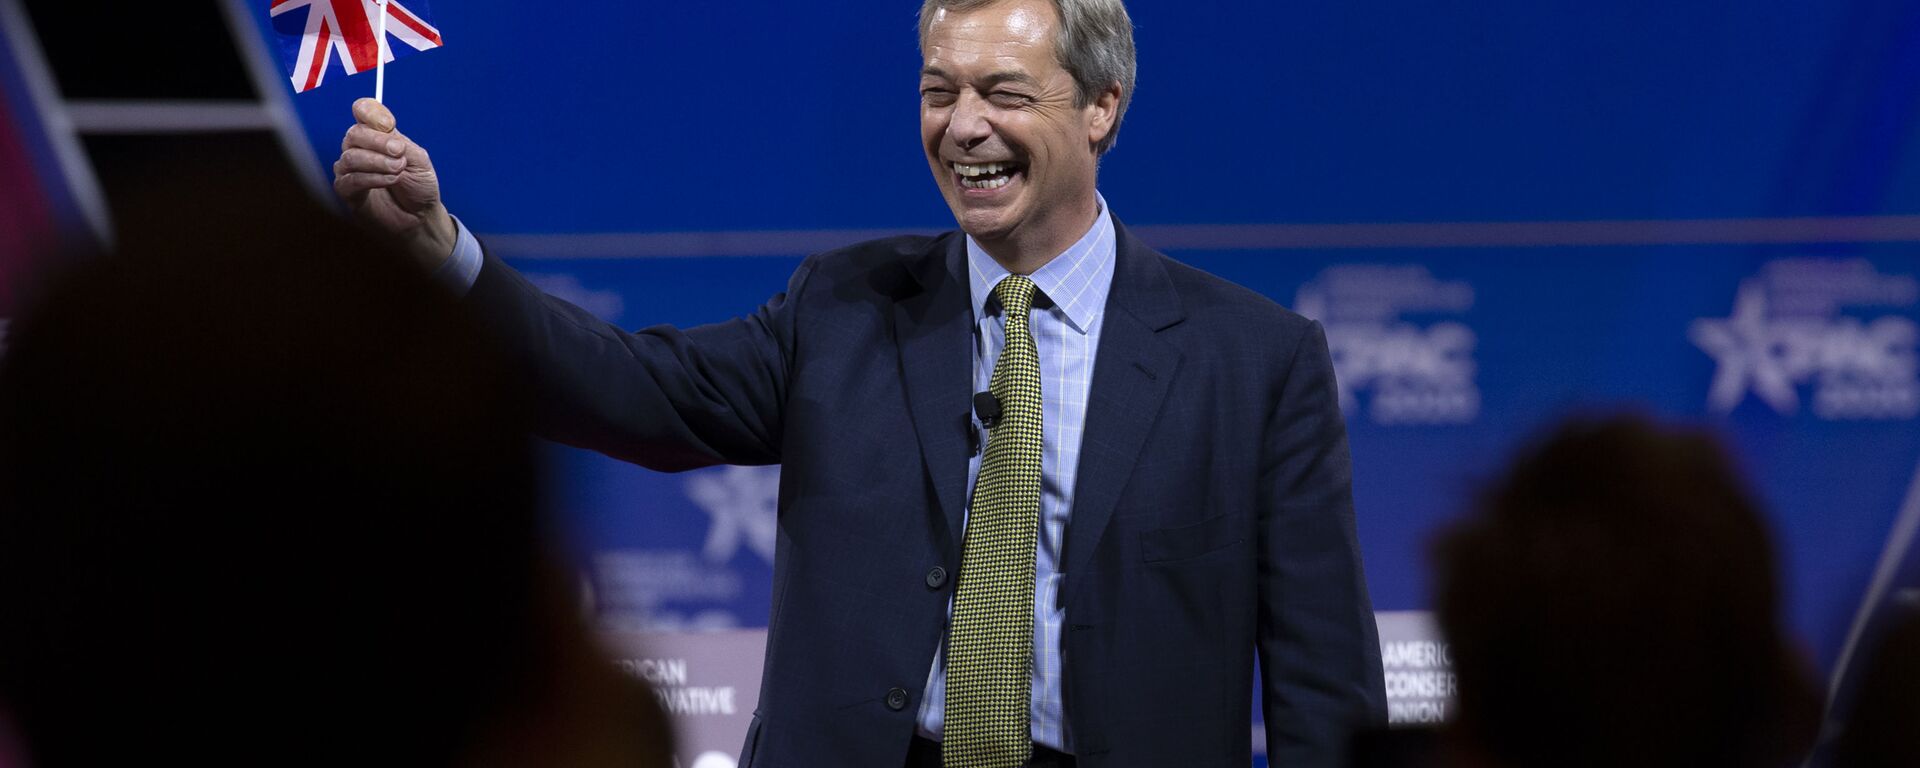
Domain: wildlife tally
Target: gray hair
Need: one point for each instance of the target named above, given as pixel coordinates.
(1094, 45)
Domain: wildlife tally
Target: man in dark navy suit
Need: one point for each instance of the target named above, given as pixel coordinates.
(1035, 423)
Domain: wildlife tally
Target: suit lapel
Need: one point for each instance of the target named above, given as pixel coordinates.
(934, 331)
(1131, 374)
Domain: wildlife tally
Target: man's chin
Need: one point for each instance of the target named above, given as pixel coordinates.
(985, 226)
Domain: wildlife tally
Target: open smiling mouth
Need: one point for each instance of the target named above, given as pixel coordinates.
(986, 175)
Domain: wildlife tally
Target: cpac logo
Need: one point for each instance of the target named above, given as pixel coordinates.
(1409, 373)
(1785, 332)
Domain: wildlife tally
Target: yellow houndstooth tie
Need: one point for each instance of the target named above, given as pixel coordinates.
(990, 650)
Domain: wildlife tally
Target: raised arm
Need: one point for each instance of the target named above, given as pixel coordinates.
(662, 397)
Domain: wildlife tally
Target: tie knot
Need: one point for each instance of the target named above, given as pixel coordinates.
(1015, 294)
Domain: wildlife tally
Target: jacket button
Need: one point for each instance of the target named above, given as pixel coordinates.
(896, 699)
(936, 578)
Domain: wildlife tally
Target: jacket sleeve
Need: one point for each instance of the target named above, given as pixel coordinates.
(664, 398)
(1319, 650)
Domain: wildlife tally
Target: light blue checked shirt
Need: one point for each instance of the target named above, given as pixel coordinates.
(462, 267)
(1066, 333)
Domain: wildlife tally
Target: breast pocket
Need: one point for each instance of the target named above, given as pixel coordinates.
(1189, 541)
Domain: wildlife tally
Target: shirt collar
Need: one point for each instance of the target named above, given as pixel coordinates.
(1077, 280)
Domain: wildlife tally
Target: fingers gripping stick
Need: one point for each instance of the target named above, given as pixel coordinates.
(389, 182)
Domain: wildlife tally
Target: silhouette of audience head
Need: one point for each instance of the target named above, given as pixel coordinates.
(1881, 728)
(1614, 601)
(266, 497)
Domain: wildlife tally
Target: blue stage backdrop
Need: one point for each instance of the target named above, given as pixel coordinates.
(1504, 212)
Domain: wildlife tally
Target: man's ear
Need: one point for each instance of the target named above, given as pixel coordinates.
(1102, 113)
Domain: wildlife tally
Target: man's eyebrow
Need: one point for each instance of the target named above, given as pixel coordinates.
(996, 78)
(1008, 76)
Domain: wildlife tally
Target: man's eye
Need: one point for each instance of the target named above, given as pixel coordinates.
(936, 97)
(1007, 98)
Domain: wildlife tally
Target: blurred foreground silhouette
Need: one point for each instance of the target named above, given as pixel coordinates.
(1614, 601)
(266, 497)
(1881, 728)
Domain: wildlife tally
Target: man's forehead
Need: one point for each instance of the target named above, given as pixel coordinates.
(1004, 42)
(1018, 24)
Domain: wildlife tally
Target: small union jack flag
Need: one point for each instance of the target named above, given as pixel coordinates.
(313, 31)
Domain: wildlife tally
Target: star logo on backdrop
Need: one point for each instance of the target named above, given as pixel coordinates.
(744, 504)
(1750, 354)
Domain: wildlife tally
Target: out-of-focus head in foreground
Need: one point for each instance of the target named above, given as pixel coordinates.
(266, 496)
(1614, 601)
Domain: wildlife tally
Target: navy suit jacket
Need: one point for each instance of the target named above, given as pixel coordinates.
(1212, 521)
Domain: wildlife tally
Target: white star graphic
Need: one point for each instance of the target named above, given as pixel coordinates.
(744, 503)
(1749, 352)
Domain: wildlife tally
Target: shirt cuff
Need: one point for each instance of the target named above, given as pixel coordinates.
(462, 268)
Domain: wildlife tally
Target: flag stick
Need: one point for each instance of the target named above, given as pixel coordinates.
(380, 55)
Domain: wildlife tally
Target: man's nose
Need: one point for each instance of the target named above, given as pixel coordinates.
(969, 125)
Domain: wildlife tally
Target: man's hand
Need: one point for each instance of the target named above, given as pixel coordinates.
(389, 182)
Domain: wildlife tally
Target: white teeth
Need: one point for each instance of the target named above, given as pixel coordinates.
(979, 170)
(977, 176)
(986, 184)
